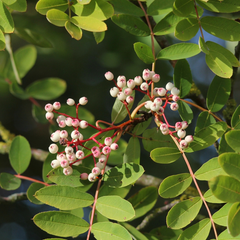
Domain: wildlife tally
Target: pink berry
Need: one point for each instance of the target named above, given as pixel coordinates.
(174, 106)
(49, 115)
(92, 177)
(146, 75)
(64, 163)
(109, 76)
(138, 80)
(181, 133)
(128, 91)
(75, 122)
(144, 86)
(189, 138)
(102, 159)
(129, 99)
(96, 171)
(175, 91)
(108, 141)
(67, 171)
(184, 124)
(75, 134)
(84, 176)
(63, 134)
(55, 136)
(83, 100)
(121, 81)
(79, 154)
(169, 86)
(70, 102)
(56, 105)
(178, 126)
(161, 92)
(183, 144)
(156, 78)
(131, 83)
(121, 96)
(49, 107)
(53, 148)
(114, 146)
(106, 150)
(83, 124)
(175, 98)
(55, 163)
(114, 91)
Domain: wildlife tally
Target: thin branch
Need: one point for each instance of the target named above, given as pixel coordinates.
(13, 198)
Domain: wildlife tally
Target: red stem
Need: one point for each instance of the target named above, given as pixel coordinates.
(31, 179)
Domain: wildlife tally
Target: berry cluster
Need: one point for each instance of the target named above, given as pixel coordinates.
(73, 153)
(158, 100)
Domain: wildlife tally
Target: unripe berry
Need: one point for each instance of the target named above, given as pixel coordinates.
(155, 93)
(63, 134)
(108, 141)
(158, 101)
(138, 80)
(109, 76)
(100, 165)
(184, 124)
(67, 171)
(68, 150)
(96, 171)
(80, 154)
(92, 177)
(64, 163)
(146, 75)
(128, 91)
(114, 146)
(61, 157)
(121, 96)
(83, 124)
(154, 106)
(53, 148)
(96, 152)
(60, 118)
(102, 159)
(75, 134)
(55, 136)
(70, 102)
(161, 92)
(160, 110)
(114, 91)
(189, 138)
(121, 81)
(148, 104)
(84, 176)
(175, 98)
(106, 150)
(174, 106)
(83, 100)
(164, 127)
(80, 137)
(156, 78)
(165, 132)
(129, 99)
(144, 86)
(68, 121)
(55, 163)
(71, 157)
(56, 105)
(169, 86)
(175, 91)
(49, 115)
(183, 144)
(62, 124)
(49, 107)
(131, 83)
(181, 133)
(75, 122)
(178, 126)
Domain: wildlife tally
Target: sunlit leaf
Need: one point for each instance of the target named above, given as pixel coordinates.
(57, 17)
(144, 52)
(203, 46)
(221, 216)
(235, 120)
(44, 5)
(211, 198)
(99, 36)
(32, 190)
(160, 7)
(165, 155)
(73, 30)
(2, 41)
(205, 119)
(6, 20)
(233, 219)
(225, 235)
(121, 192)
(233, 139)
(133, 231)
(19, 5)
(185, 111)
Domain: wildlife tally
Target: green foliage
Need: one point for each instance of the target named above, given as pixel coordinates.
(9, 181)
(144, 52)
(165, 155)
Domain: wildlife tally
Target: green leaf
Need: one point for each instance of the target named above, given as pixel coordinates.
(143, 201)
(47, 168)
(183, 213)
(121, 192)
(31, 192)
(2, 41)
(131, 24)
(61, 224)
(20, 154)
(226, 6)
(57, 17)
(19, 5)
(179, 51)
(186, 29)
(9, 181)
(165, 155)
(211, 198)
(224, 146)
(225, 52)
(219, 64)
(233, 139)
(167, 24)
(225, 188)
(209, 169)
(45, 5)
(175, 185)
(119, 111)
(154, 139)
(183, 8)
(33, 37)
(133, 151)
(141, 127)
(218, 93)
(203, 46)
(126, 7)
(99, 36)
(207, 136)
(225, 235)
(6, 20)
(110, 231)
(123, 175)
(89, 24)
(205, 119)
(17, 91)
(47, 89)
(144, 52)
(221, 216)
(230, 162)
(235, 120)
(223, 28)
(116, 157)
(182, 77)
(64, 197)
(9, 2)
(133, 231)
(115, 208)
(199, 230)
(84, 1)
(73, 30)
(165, 233)
(96, 8)
(39, 114)
(160, 7)
(185, 111)
(233, 219)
